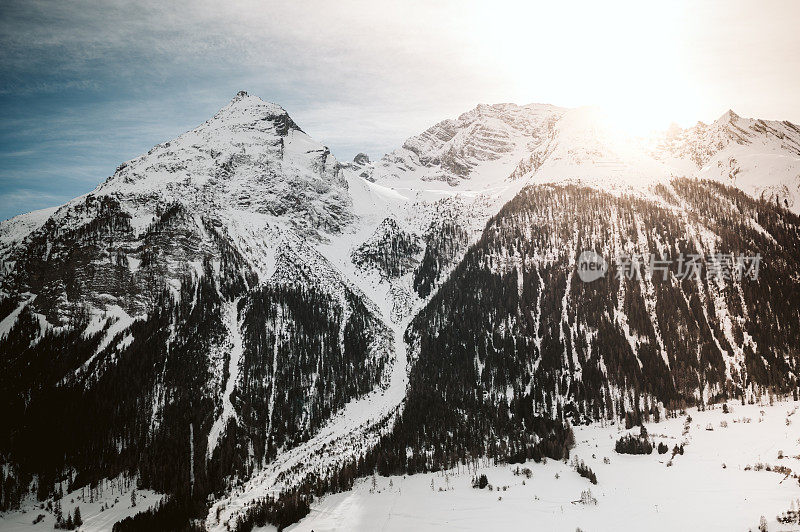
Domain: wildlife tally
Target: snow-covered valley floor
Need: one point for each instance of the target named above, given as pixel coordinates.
(109, 503)
(709, 487)
(721, 482)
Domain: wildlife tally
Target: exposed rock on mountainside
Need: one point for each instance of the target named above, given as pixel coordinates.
(452, 149)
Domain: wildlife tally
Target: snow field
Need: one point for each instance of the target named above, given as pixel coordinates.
(113, 495)
(634, 492)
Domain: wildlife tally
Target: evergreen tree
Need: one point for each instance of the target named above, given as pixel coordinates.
(58, 512)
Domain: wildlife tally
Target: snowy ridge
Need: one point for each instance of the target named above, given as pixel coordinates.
(761, 157)
(453, 150)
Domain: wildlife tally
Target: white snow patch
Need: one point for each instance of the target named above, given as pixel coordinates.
(633, 492)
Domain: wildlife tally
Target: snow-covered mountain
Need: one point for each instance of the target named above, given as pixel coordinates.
(455, 150)
(762, 157)
(242, 321)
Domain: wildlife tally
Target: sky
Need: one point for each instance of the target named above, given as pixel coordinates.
(87, 85)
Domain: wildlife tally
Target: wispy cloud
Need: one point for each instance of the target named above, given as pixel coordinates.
(18, 153)
(22, 200)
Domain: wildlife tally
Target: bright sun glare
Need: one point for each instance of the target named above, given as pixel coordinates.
(624, 57)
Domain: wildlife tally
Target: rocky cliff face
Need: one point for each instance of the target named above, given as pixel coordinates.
(451, 150)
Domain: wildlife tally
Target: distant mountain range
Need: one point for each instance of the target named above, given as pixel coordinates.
(239, 320)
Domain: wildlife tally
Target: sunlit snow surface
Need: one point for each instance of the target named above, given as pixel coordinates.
(633, 492)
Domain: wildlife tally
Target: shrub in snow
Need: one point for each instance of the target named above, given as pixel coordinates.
(586, 472)
(677, 450)
(526, 472)
(587, 498)
(480, 482)
(630, 444)
(783, 470)
(791, 516)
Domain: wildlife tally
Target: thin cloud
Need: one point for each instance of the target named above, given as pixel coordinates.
(22, 200)
(19, 153)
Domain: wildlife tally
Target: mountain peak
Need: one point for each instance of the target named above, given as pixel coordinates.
(361, 159)
(244, 99)
(240, 95)
(248, 110)
(246, 102)
(728, 117)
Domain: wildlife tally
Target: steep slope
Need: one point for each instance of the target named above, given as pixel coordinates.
(515, 329)
(183, 308)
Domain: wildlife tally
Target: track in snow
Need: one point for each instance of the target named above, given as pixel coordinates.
(231, 317)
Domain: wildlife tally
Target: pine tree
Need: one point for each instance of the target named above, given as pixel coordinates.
(57, 513)
(77, 520)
